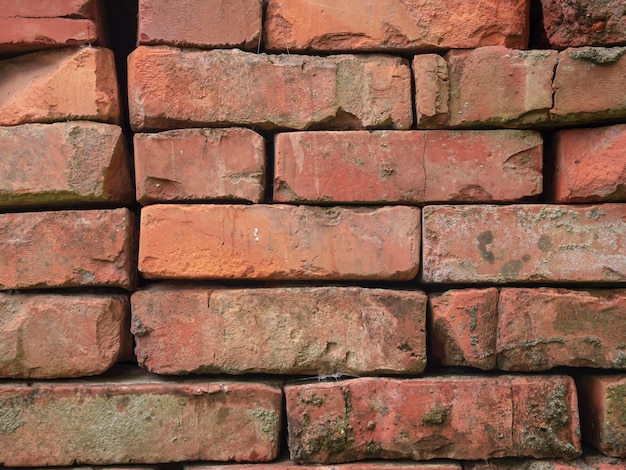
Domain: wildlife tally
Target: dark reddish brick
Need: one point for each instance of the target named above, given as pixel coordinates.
(462, 327)
(59, 85)
(282, 330)
(407, 166)
(278, 242)
(170, 87)
(602, 412)
(543, 328)
(298, 25)
(288, 465)
(66, 249)
(197, 23)
(458, 417)
(586, 463)
(138, 419)
(232, 164)
(50, 336)
(83, 162)
(590, 164)
(524, 243)
(584, 22)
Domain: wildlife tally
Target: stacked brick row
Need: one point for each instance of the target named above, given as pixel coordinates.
(385, 214)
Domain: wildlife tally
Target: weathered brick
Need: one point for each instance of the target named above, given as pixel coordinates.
(59, 85)
(83, 162)
(589, 85)
(200, 164)
(590, 164)
(282, 330)
(524, 243)
(603, 419)
(463, 327)
(459, 417)
(278, 242)
(289, 465)
(432, 90)
(30, 25)
(170, 87)
(197, 23)
(51, 336)
(584, 22)
(543, 328)
(589, 462)
(137, 420)
(407, 166)
(323, 25)
(66, 248)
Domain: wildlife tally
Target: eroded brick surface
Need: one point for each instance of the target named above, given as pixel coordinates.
(289, 465)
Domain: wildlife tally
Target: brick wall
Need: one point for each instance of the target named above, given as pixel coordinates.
(359, 234)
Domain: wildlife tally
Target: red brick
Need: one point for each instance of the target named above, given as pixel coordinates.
(589, 85)
(197, 23)
(168, 164)
(432, 90)
(603, 419)
(50, 336)
(587, 463)
(288, 465)
(459, 417)
(524, 243)
(584, 23)
(138, 420)
(170, 87)
(298, 25)
(29, 25)
(590, 164)
(279, 242)
(407, 166)
(601, 462)
(543, 328)
(282, 330)
(463, 326)
(83, 162)
(66, 248)
(59, 85)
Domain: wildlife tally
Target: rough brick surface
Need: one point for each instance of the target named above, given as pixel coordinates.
(524, 243)
(457, 417)
(50, 336)
(589, 85)
(170, 87)
(324, 25)
(407, 166)
(432, 90)
(591, 462)
(543, 328)
(200, 164)
(66, 248)
(463, 327)
(63, 163)
(288, 465)
(584, 22)
(28, 25)
(602, 411)
(285, 330)
(138, 420)
(197, 23)
(590, 164)
(278, 242)
(59, 85)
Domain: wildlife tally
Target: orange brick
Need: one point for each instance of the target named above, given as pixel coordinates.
(66, 249)
(54, 336)
(407, 166)
(590, 164)
(170, 87)
(278, 242)
(197, 23)
(83, 163)
(459, 417)
(602, 401)
(524, 243)
(367, 25)
(282, 330)
(138, 419)
(200, 164)
(288, 465)
(59, 85)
